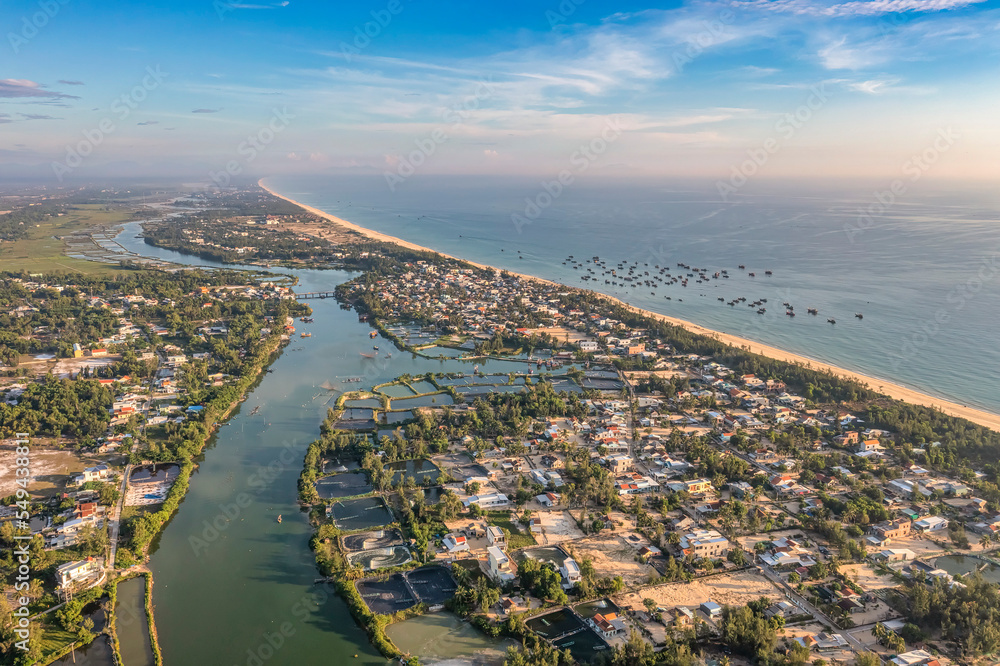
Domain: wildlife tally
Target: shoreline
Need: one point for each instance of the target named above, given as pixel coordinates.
(888, 388)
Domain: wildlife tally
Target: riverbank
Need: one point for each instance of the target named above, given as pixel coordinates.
(890, 389)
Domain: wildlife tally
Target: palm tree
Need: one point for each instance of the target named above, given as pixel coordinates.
(985, 541)
(879, 631)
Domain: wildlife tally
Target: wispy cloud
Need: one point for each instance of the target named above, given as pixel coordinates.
(856, 8)
(23, 88)
(242, 5)
(148, 122)
(70, 83)
(206, 110)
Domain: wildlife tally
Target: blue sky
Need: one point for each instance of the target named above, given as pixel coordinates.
(693, 88)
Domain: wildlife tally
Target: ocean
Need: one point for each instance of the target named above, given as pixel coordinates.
(923, 269)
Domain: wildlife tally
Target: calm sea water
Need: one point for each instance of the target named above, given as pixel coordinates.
(924, 271)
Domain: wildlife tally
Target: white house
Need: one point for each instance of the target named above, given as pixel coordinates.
(500, 566)
(496, 537)
(930, 524)
(72, 572)
(570, 571)
(490, 501)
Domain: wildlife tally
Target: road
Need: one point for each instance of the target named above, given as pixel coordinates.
(114, 521)
(802, 603)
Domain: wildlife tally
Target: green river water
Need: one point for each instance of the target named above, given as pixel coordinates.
(232, 586)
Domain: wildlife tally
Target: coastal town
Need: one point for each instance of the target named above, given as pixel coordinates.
(623, 492)
(559, 478)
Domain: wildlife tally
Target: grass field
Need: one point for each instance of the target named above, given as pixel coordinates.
(55, 639)
(42, 252)
(517, 539)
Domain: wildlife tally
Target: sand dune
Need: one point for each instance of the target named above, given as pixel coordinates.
(890, 389)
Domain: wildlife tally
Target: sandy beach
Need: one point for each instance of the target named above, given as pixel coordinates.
(890, 389)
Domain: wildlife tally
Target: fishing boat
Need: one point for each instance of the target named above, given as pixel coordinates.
(279, 517)
(832, 321)
(859, 315)
(812, 311)
(373, 335)
(306, 335)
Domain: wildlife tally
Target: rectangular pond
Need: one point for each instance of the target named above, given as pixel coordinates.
(423, 386)
(358, 403)
(389, 418)
(418, 469)
(364, 513)
(396, 391)
(131, 625)
(435, 400)
(343, 485)
(440, 637)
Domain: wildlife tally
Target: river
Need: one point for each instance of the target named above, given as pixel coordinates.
(232, 585)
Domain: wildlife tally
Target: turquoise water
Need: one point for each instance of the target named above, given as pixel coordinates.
(930, 259)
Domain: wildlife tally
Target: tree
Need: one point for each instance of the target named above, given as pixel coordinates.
(868, 659)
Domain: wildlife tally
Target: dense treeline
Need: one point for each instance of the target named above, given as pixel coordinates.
(968, 614)
(58, 407)
(15, 224)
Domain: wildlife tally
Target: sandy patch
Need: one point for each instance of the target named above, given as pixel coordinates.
(557, 527)
(612, 557)
(924, 548)
(866, 576)
(735, 589)
(65, 367)
(50, 469)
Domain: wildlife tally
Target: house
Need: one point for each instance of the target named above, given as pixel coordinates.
(931, 524)
(496, 537)
(489, 501)
(548, 500)
(570, 571)
(456, 543)
(781, 609)
(913, 658)
(711, 609)
(510, 605)
(619, 463)
(698, 486)
(741, 489)
(588, 346)
(608, 624)
(704, 543)
(893, 555)
(679, 617)
(501, 569)
(895, 529)
(74, 572)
